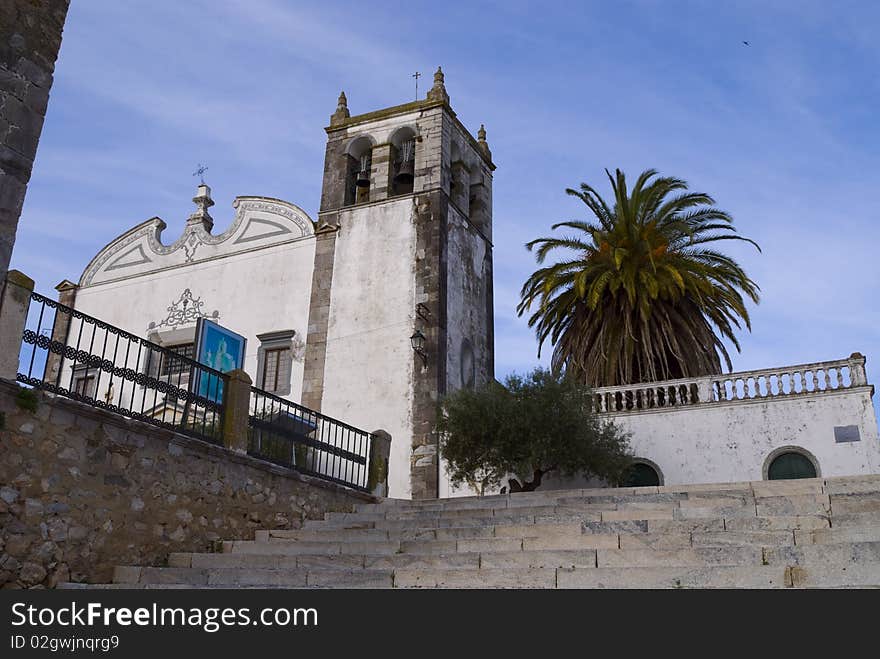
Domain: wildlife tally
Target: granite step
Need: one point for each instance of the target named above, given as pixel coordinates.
(450, 533)
(763, 577)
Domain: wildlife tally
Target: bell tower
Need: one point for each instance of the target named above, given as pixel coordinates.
(401, 304)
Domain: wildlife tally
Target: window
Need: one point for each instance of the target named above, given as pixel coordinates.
(791, 464)
(275, 361)
(84, 384)
(170, 366)
(276, 369)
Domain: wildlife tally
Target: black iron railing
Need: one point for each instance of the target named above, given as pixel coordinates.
(299, 438)
(88, 360)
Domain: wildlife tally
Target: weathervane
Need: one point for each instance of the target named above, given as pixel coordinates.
(200, 172)
(417, 75)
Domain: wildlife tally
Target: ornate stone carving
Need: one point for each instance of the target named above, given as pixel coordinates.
(190, 247)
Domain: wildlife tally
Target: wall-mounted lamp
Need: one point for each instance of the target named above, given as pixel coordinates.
(418, 345)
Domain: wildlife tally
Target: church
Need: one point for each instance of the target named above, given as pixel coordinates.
(399, 256)
(375, 309)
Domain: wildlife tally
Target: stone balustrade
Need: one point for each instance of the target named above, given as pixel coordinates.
(805, 379)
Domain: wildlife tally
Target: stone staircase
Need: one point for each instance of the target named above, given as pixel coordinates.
(812, 533)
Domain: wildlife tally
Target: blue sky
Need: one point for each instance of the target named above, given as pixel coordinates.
(783, 132)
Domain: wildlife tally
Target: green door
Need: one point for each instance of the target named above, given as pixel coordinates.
(791, 465)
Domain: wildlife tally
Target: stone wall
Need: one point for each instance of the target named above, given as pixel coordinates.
(30, 36)
(82, 490)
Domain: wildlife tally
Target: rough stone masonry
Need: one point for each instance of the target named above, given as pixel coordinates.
(30, 36)
(82, 490)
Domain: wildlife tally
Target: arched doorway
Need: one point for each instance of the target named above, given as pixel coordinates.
(642, 474)
(789, 463)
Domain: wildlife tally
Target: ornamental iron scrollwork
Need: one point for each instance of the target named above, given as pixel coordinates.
(183, 311)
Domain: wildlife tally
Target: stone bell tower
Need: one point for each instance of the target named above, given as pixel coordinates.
(401, 303)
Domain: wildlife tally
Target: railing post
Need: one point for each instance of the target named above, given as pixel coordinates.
(60, 329)
(857, 375)
(236, 408)
(16, 299)
(380, 452)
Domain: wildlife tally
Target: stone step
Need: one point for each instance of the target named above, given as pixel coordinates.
(845, 520)
(839, 554)
(647, 577)
(675, 577)
(294, 547)
(490, 527)
(777, 523)
(859, 502)
(742, 491)
(853, 485)
(838, 535)
(473, 560)
(747, 490)
(835, 576)
(254, 576)
(561, 537)
(488, 578)
(689, 556)
(728, 507)
(450, 533)
(743, 538)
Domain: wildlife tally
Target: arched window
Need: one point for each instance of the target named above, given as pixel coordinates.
(642, 474)
(791, 464)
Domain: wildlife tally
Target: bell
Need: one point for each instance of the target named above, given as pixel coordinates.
(405, 173)
(363, 175)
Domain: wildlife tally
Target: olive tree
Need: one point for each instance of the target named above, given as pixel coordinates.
(525, 428)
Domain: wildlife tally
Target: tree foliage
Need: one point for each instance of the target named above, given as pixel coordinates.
(640, 293)
(526, 428)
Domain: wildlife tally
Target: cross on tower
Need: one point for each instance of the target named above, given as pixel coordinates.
(417, 75)
(200, 172)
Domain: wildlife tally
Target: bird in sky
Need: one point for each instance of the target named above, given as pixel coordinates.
(747, 43)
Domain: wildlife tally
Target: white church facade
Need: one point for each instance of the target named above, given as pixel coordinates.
(400, 255)
(329, 306)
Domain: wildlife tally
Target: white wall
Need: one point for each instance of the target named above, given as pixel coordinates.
(726, 442)
(729, 437)
(368, 369)
(731, 441)
(254, 293)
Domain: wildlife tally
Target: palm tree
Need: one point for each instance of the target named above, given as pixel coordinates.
(642, 296)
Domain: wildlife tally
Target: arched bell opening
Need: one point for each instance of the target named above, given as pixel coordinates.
(403, 161)
(359, 163)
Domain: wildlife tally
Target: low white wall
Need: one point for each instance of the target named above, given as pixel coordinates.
(723, 429)
(726, 442)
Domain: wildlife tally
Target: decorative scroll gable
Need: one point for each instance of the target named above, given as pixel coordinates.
(259, 223)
